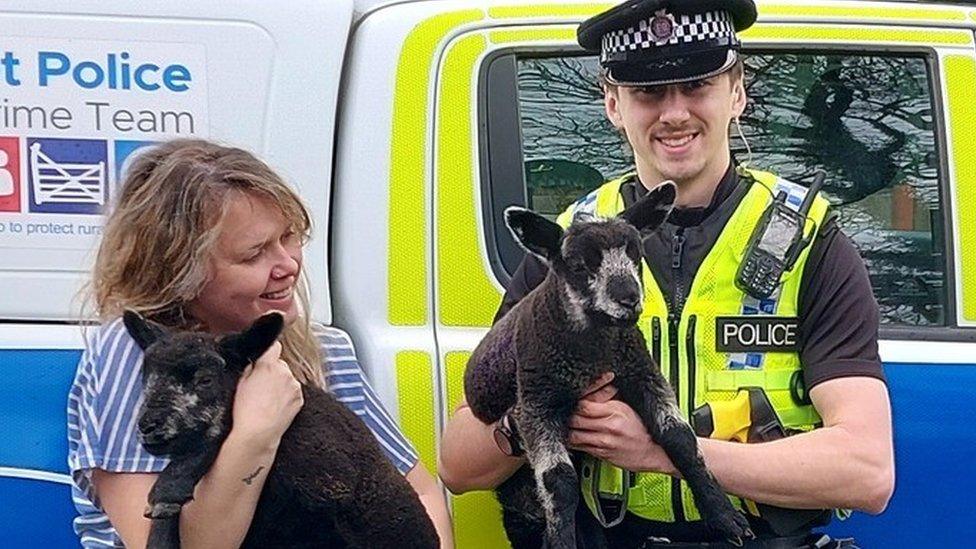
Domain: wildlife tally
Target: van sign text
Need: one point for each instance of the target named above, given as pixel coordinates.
(116, 71)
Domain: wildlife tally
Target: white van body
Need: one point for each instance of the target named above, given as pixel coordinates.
(379, 113)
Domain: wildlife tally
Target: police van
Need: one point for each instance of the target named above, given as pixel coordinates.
(408, 126)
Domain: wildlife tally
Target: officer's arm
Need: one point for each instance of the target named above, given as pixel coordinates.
(469, 457)
(849, 463)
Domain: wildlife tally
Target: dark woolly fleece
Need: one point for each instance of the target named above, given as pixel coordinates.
(330, 485)
(537, 363)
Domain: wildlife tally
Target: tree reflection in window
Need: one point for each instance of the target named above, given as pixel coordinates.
(867, 120)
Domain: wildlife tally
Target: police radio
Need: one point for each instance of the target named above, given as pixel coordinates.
(776, 243)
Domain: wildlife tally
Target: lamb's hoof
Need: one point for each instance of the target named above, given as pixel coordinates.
(162, 510)
(733, 526)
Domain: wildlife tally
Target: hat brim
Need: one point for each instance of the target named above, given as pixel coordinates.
(672, 70)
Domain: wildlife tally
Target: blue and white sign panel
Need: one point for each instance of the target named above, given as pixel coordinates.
(71, 114)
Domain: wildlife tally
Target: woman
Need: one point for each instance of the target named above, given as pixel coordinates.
(207, 237)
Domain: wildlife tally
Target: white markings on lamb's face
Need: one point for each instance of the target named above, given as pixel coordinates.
(576, 306)
(185, 393)
(159, 421)
(617, 287)
(171, 410)
(602, 268)
(216, 415)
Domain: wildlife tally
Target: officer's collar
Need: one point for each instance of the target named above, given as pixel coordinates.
(689, 217)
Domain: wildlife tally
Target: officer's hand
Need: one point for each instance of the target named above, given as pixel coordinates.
(612, 431)
(600, 390)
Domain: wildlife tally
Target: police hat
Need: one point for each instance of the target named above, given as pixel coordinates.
(654, 42)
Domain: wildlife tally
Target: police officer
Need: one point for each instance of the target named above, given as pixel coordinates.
(795, 372)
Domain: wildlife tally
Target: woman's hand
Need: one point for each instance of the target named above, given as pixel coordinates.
(268, 398)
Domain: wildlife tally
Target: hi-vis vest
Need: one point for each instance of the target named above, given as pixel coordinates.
(685, 347)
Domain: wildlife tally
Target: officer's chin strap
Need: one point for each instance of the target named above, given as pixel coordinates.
(738, 130)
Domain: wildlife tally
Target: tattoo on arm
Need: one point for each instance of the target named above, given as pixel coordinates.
(250, 478)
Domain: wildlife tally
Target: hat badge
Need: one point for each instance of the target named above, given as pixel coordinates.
(662, 26)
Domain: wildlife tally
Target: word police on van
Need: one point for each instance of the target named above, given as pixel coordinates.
(117, 72)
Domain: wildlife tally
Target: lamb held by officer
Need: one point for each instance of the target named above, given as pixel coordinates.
(539, 359)
(330, 484)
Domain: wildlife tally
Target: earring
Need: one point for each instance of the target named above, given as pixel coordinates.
(738, 128)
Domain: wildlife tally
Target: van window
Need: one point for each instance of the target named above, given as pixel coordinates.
(866, 119)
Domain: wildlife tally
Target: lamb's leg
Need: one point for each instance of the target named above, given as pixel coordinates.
(653, 400)
(175, 484)
(173, 488)
(556, 480)
(522, 514)
(164, 533)
(589, 532)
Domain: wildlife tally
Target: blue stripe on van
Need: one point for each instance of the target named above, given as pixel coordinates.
(35, 513)
(33, 402)
(934, 411)
(935, 445)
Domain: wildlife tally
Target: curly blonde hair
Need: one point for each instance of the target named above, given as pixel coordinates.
(158, 241)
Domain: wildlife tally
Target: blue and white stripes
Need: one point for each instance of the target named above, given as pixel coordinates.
(345, 379)
(107, 392)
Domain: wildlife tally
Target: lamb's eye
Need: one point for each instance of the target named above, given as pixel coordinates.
(205, 381)
(593, 259)
(633, 251)
(576, 264)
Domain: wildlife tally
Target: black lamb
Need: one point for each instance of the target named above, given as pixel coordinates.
(538, 360)
(329, 486)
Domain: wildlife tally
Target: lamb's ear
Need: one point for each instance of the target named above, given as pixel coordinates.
(145, 332)
(653, 208)
(534, 232)
(248, 345)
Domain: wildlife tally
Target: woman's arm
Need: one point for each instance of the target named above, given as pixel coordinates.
(226, 497)
(223, 504)
(123, 497)
(267, 399)
(432, 497)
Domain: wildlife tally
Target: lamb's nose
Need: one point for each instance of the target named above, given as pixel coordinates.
(625, 291)
(630, 300)
(149, 424)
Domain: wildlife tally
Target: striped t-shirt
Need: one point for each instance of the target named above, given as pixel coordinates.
(106, 395)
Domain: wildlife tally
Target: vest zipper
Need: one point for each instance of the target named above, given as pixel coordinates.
(656, 341)
(677, 303)
(676, 505)
(674, 319)
(690, 350)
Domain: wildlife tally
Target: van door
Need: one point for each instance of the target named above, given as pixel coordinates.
(83, 86)
(879, 98)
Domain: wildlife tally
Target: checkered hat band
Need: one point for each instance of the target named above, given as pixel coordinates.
(687, 29)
